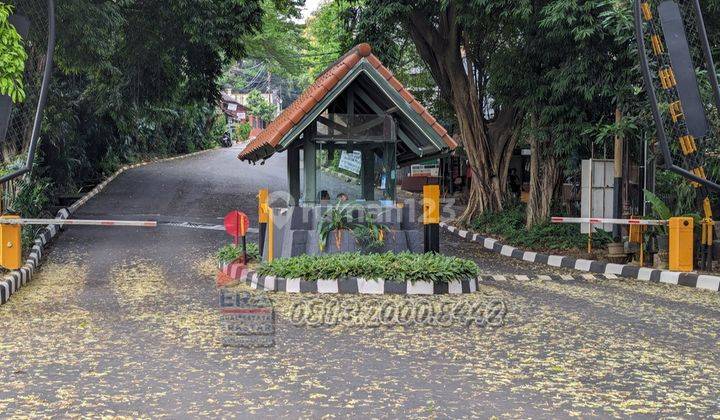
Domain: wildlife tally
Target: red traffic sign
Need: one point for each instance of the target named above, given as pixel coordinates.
(237, 223)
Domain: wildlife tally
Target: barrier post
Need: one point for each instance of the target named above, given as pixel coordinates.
(431, 217)
(681, 244)
(263, 211)
(10, 239)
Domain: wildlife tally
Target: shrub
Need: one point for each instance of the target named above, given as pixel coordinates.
(510, 226)
(389, 266)
(242, 131)
(230, 253)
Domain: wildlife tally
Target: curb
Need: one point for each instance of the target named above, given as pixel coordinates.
(362, 286)
(354, 285)
(699, 281)
(231, 269)
(14, 280)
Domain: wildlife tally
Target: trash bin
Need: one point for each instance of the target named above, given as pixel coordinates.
(681, 243)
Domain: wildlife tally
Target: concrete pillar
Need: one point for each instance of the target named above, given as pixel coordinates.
(368, 173)
(310, 163)
(293, 173)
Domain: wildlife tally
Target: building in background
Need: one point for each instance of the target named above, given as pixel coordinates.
(233, 105)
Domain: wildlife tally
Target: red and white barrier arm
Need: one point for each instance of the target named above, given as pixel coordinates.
(597, 221)
(81, 222)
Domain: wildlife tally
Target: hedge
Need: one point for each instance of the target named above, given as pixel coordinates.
(390, 266)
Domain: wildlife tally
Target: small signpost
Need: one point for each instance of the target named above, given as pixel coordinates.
(236, 225)
(246, 320)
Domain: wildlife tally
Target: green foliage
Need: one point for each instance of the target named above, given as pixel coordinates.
(230, 253)
(509, 225)
(32, 200)
(328, 35)
(242, 131)
(12, 57)
(277, 45)
(336, 218)
(370, 234)
(137, 80)
(389, 266)
(659, 208)
(662, 210)
(260, 107)
(506, 223)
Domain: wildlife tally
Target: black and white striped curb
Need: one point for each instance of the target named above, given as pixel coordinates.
(551, 277)
(13, 281)
(699, 281)
(354, 285)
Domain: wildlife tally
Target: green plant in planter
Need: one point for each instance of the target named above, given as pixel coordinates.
(370, 234)
(230, 253)
(401, 267)
(337, 218)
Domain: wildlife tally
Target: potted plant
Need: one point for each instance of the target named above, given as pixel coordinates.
(370, 235)
(337, 219)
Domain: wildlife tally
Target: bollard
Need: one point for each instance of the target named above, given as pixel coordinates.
(263, 210)
(431, 217)
(11, 250)
(681, 244)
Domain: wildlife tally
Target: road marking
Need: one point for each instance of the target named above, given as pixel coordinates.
(204, 226)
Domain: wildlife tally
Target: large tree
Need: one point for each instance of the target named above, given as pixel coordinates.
(456, 40)
(569, 68)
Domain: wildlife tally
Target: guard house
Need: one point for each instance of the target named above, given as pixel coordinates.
(356, 110)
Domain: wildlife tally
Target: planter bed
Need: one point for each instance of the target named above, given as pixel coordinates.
(390, 273)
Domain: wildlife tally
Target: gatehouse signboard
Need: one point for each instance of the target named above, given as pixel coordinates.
(351, 161)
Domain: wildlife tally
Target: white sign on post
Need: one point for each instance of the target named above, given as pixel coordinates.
(351, 161)
(596, 199)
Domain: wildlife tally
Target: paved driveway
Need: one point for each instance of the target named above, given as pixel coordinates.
(122, 322)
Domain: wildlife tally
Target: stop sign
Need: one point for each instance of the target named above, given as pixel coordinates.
(236, 224)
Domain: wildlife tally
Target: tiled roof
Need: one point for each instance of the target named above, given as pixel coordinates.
(271, 137)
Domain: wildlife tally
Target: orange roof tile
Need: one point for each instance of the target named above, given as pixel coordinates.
(292, 115)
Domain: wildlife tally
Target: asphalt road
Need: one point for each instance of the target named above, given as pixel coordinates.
(123, 322)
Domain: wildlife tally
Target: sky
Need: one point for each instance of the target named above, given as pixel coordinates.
(309, 8)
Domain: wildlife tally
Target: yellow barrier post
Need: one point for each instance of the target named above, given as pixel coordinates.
(681, 244)
(271, 233)
(431, 217)
(637, 236)
(263, 207)
(11, 249)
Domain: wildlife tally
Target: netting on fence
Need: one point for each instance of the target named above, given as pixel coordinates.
(31, 19)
